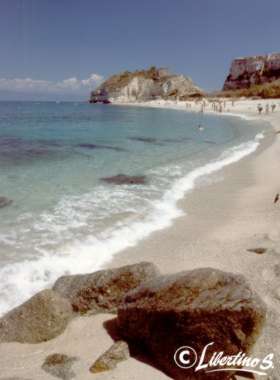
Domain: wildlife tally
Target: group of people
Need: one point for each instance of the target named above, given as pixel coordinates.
(267, 108)
(221, 105)
(217, 106)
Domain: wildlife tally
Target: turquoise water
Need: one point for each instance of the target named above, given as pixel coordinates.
(63, 218)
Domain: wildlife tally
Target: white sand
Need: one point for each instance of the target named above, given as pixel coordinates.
(223, 220)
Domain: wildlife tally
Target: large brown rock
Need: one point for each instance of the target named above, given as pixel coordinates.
(103, 291)
(41, 318)
(192, 309)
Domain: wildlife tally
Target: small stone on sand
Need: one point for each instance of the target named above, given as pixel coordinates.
(59, 365)
(116, 353)
(259, 250)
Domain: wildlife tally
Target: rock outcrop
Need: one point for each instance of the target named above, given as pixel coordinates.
(41, 318)
(123, 179)
(5, 202)
(192, 309)
(145, 85)
(257, 70)
(103, 291)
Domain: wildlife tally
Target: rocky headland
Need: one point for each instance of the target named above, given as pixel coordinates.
(248, 71)
(254, 76)
(144, 85)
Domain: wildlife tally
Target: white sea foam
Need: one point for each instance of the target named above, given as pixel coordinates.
(21, 280)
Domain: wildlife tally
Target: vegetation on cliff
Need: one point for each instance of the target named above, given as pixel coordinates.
(264, 91)
(120, 80)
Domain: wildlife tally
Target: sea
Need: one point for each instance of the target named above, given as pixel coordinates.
(64, 218)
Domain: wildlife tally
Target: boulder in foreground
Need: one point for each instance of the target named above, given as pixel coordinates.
(103, 291)
(192, 309)
(41, 318)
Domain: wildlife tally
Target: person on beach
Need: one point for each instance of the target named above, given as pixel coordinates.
(260, 108)
(267, 109)
(273, 106)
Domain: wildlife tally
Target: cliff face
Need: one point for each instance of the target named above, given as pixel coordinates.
(145, 85)
(245, 72)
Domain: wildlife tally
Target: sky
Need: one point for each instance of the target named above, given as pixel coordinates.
(62, 49)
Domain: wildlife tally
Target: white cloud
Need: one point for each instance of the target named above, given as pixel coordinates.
(68, 86)
(92, 80)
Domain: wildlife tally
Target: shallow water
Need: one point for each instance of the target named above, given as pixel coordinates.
(63, 218)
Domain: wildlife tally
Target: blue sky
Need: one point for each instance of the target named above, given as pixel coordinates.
(63, 48)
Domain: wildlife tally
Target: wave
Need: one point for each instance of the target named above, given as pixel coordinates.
(21, 280)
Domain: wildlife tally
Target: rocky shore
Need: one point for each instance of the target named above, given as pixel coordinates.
(156, 315)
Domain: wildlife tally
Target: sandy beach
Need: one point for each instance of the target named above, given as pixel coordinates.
(222, 220)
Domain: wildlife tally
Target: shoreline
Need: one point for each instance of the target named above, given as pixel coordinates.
(161, 216)
(181, 211)
(223, 218)
(229, 173)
